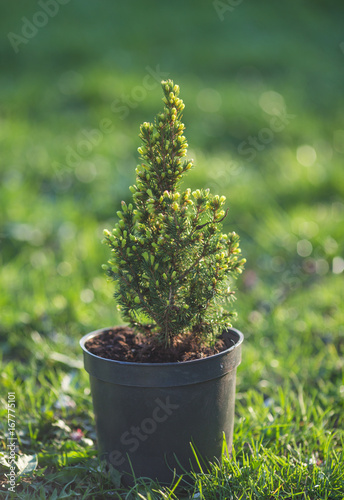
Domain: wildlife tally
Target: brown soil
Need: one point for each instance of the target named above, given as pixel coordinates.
(122, 344)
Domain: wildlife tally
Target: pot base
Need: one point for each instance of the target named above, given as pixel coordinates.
(148, 414)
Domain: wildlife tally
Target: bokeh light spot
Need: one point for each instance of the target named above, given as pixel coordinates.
(87, 295)
(306, 155)
(304, 248)
(272, 103)
(209, 100)
(337, 265)
(64, 269)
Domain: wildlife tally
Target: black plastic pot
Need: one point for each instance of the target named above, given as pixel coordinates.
(147, 414)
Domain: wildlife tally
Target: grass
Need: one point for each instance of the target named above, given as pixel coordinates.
(286, 202)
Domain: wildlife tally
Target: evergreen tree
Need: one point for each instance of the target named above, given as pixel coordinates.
(170, 262)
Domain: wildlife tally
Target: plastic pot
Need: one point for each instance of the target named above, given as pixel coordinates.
(147, 414)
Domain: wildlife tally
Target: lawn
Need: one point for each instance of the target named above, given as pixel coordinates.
(263, 89)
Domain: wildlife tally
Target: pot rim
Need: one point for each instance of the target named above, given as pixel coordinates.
(90, 335)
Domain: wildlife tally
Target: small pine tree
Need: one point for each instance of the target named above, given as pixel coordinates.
(170, 262)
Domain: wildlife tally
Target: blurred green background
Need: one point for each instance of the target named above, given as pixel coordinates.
(263, 89)
(67, 70)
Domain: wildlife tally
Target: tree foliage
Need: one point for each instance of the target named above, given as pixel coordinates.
(171, 264)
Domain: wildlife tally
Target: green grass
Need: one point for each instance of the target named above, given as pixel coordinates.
(288, 436)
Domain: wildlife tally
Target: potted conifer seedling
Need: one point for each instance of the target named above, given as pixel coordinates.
(163, 387)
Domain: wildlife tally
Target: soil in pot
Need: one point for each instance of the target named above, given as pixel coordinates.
(122, 344)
